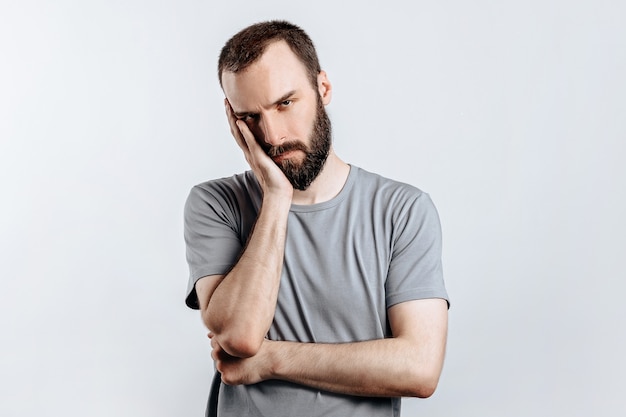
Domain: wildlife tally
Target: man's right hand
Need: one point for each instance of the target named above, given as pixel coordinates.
(272, 180)
(239, 307)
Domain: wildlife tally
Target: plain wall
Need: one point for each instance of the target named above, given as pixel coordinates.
(510, 114)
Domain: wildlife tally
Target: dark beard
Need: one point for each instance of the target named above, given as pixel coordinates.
(301, 175)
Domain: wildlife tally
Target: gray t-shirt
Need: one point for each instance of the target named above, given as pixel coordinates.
(347, 260)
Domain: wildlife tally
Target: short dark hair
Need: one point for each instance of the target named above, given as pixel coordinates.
(248, 45)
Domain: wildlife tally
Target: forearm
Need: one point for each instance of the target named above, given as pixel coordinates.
(241, 309)
(407, 365)
(389, 367)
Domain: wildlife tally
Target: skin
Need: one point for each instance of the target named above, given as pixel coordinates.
(272, 102)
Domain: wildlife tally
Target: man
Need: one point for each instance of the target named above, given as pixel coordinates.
(320, 283)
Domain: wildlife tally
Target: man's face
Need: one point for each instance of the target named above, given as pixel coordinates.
(302, 173)
(285, 113)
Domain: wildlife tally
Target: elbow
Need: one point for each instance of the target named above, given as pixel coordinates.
(240, 346)
(424, 384)
(424, 390)
(236, 341)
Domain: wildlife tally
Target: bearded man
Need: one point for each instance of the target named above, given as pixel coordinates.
(320, 283)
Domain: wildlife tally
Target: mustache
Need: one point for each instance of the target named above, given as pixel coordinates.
(274, 151)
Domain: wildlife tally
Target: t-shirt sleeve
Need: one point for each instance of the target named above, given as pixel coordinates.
(415, 270)
(212, 237)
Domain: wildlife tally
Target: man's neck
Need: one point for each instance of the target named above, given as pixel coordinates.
(328, 183)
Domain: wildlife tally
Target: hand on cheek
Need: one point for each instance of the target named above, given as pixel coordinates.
(269, 175)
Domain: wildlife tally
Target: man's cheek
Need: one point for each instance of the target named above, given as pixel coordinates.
(260, 139)
(258, 135)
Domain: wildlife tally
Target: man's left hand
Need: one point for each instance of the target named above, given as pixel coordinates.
(241, 371)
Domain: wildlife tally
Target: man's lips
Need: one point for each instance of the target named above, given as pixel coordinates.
(285, 151)
(285, 155)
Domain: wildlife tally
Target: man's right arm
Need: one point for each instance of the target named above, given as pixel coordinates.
(238, 308)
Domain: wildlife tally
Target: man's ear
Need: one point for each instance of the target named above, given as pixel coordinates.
(324, 88)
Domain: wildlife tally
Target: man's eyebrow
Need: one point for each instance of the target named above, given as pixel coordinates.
(280, 100)
(285, 97)
(242, 114)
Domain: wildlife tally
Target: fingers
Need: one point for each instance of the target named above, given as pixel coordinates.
(223, 361)
(243, 135)
(236, 371)
(218, 354)
(250, 146)
(216, 348)
(267, 172)
(234, 128)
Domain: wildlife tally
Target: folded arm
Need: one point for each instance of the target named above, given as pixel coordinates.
(238, 308)
(408, 364)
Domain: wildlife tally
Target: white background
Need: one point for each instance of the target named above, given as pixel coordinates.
(511, 114)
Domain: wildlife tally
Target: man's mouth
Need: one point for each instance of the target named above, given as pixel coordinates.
(284, 155)
(287, 151)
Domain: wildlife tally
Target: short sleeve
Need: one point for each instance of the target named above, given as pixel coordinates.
(212, 237)
(415, 270)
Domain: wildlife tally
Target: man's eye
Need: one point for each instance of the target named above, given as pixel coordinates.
(286, 103)
(249, 118)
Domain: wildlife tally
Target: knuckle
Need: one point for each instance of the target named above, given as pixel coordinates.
(226, 379)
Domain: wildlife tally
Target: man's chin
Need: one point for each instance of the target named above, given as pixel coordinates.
(301, 180)
(289, 166)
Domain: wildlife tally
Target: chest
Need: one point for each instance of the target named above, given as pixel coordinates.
(333, 279)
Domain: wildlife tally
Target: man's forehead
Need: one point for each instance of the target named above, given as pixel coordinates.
(249, 93)
(275, 56)
(268, 80)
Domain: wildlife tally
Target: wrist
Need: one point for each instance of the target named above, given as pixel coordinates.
(272, 359)
(278, 200)
(284, 194)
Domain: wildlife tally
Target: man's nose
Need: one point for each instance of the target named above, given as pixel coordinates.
(273, 130)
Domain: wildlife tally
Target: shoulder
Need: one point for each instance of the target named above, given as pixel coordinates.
(223, 193)
(405, 206)
(243, 183)
(387, 191)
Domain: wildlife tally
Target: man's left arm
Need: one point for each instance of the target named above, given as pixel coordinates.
(407, 365)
